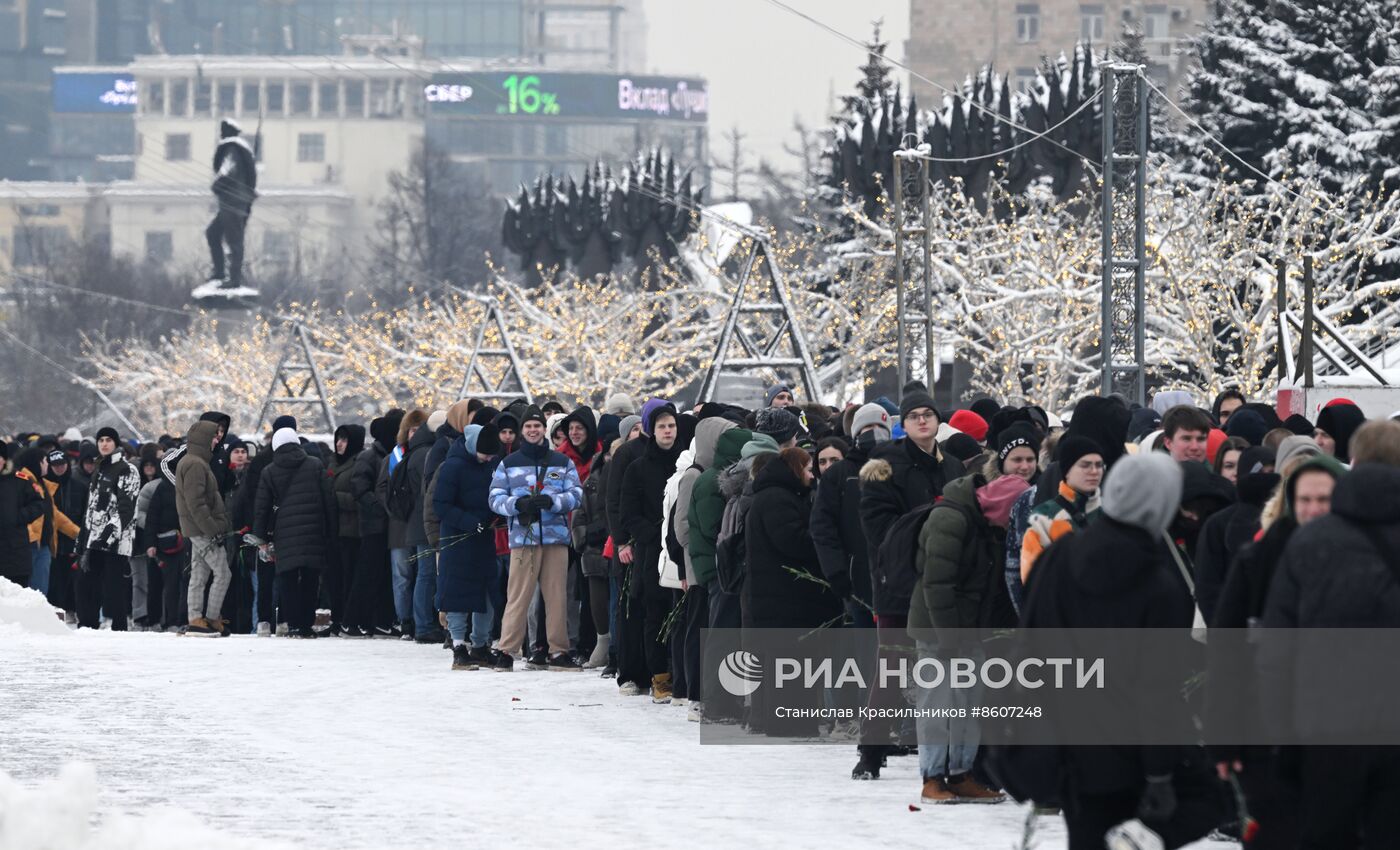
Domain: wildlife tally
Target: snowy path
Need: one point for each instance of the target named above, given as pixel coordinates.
(356, 744)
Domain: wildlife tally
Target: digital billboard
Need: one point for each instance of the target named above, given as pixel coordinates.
(565, 95)
(94, 93)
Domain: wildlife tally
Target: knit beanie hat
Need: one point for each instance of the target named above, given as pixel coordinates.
(914, 401)
(485, 439)
(1012, 438)
(1293, 447)
(1214, 440)
(772, 393)
(532, 414)
(1144, 491)
(620, 404)
(108, 431)
(962, 447)
(970, 424)
(867, 415)
(996, 498)
(285, 421)
(626, 425)
(777, 423)
(73, 435)
(1247, 424)
(760, 444)
(1072, 448)
(284, 437)
(1299, 424)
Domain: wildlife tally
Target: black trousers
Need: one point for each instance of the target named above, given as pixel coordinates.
(1350, 796)
(267, 603)
(642, 654)
(298, 591)
(105, 587)
(228, 227)
(1089, 816)
(155, 592)
(697, 617)
(367, 597)
(340, 576)
(175, 585)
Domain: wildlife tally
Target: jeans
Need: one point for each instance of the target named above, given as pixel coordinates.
(457, 627)
(40, 559)
(401, 567)
(424, 589)
(947, 745)
(483, 620)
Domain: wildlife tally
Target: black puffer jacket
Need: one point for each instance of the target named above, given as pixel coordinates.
(20, 504)
(161, 516)
(1333, 576)
(365, 475)
(836, 528)
(776, 536)
(416, 456)
(1225, 534)
(899, 477)
(640, 510)
(342, 479)
(295, 510)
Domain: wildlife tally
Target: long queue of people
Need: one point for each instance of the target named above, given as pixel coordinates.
(577, 540)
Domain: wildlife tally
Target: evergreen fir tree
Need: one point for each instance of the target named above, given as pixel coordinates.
(1284, 84)
(874, 86)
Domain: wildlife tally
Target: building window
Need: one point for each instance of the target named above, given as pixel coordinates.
(354, 98)
(1156, 22)
(329, 104)
(177, 147)
(275, 94)
(179, 97)
(301, 99)
(251, 104)
(1028, 22)
(160, 248)
(154, 101)
(311, 147)
(37, 245)
(203, 97)
(1092, 20)
(228, 96)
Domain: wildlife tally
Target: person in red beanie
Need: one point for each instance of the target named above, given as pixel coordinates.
(1215, 438)
(970, 424)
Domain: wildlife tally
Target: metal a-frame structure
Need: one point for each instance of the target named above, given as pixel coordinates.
(512, 384)
(749, 343)
(299, 378)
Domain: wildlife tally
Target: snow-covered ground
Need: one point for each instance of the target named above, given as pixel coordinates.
(378, 744)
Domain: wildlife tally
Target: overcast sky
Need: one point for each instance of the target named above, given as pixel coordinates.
(764, 64)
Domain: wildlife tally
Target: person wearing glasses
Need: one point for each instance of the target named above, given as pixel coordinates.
(1076, 500)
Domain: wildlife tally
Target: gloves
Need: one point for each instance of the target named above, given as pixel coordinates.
(542, 503)
(1158, 801)
(522, 505)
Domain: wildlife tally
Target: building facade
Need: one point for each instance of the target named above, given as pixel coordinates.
(950, 40)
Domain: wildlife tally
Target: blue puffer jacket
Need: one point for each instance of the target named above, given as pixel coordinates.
(536, 470)
(467, 558)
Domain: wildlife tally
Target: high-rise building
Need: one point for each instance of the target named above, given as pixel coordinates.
(33, 41)
(950, 39)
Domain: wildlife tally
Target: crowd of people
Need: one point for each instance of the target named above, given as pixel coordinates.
(531, 535)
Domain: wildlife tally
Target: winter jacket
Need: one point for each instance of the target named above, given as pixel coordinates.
(197, 494)
(342, 480)
(446, 436)
(777, 542)
(707, 435)
(162, 515)
(1224, 534)
(295, 510)
(467, 555)
(707, 504)
(952, 590)
(416, 456)
(110, 523)
(20, 504)
(622, 459)
(590, 525)
(836, 529)
(1016, 528)
(70, 498)
(53, 522)
(530, 471)
(582, 456)
(899, 477)
(1112, 575)
(364, 477)
(643, 495)
(1068, 512)
(1333, 576)
(245, 495)
(235, 175)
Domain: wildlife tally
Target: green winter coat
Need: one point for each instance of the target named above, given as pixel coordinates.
(941, 601)
(707, 505)
(197, 499)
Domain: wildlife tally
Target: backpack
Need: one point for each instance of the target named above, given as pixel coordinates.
(895, 571)
(400, 500)
(731, 551)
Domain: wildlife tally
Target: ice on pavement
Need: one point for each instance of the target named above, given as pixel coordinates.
(22, 608)
(341, 744)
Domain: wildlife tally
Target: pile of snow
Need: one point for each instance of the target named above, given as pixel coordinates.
(28, 611)
(59, 813)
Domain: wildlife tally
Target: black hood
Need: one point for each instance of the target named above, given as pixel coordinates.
(1340, 421)
(384, 430)
(218, 418)
(355, 441)
(1103, 420)
(584, 416)
(1369, 494)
